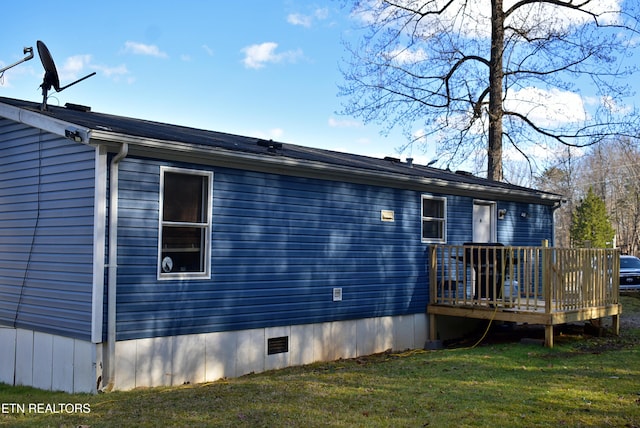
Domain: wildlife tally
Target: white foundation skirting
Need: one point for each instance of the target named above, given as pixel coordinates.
(46, 361)
(57, 363)
(198, 358)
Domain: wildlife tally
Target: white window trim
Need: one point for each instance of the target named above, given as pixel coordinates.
(443, 220)
(207, 246)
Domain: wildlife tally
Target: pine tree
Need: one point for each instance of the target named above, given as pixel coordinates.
(591, 225)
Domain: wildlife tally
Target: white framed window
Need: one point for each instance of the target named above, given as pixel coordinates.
(184, 237)
(434, 219)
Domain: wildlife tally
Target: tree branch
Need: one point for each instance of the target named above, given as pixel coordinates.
(417, 12)
(594, 137)
(568, 4)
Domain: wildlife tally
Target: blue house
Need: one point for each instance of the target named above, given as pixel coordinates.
(135, 253)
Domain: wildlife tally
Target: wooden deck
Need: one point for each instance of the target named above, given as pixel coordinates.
(534, 285)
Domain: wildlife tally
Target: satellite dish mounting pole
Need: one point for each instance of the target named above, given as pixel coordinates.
(26, 51)
(45, 90)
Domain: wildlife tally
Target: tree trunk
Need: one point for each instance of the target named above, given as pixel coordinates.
(496, 75)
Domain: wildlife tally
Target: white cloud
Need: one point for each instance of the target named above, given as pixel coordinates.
(73, 67)
(78, 65)
(344, 123)
(473, 18)
(321, 13)
(407, 56)
(539, 152)
(613, 106)
(559, 18)
(257, 56)
(114, 72)
(547, 107)
(299, 19)
(308, 20)
(142, 49)
(208, 50)
(419, 136)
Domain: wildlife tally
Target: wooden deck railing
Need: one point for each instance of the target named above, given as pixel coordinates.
(524, 278)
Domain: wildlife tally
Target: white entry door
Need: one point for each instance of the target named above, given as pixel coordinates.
(484, 221)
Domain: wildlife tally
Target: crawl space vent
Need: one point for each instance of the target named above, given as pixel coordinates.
(277, 345)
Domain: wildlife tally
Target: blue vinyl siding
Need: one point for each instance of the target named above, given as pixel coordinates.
(459, 219)
(279, 247)
(46, 231)
(512, 230)
(525, 231)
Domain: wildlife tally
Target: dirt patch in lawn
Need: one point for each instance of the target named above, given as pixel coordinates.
(630, 317)
(502, 332)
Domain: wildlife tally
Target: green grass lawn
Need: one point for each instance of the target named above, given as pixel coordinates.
(582, 381)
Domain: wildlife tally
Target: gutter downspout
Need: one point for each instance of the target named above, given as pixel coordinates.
(113, 266)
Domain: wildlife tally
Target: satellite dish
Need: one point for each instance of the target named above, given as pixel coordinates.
(50, 72)
(51, 78)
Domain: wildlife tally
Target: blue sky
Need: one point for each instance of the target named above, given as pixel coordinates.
(259, 68)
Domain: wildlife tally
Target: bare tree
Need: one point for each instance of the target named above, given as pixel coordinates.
(561, 178)
(612, 170)
(625, 207)
(474, 74)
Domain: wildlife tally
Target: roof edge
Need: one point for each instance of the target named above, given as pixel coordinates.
(50, 124)
(311, 169)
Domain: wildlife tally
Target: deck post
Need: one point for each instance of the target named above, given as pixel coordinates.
(546, 276)
(433, 279)
(433, 273)
(616, 324)
(548, 335)
(433, 331)
(546, 292)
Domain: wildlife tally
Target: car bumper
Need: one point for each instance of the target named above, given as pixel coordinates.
(630, 282)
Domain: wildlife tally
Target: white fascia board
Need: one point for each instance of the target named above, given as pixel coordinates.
(195, 153)
(42, 121)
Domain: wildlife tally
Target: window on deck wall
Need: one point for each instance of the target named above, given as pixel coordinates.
(434, 219)
(185, 224)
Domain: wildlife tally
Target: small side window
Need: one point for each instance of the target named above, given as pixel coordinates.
(434, 219)
(184, 249)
